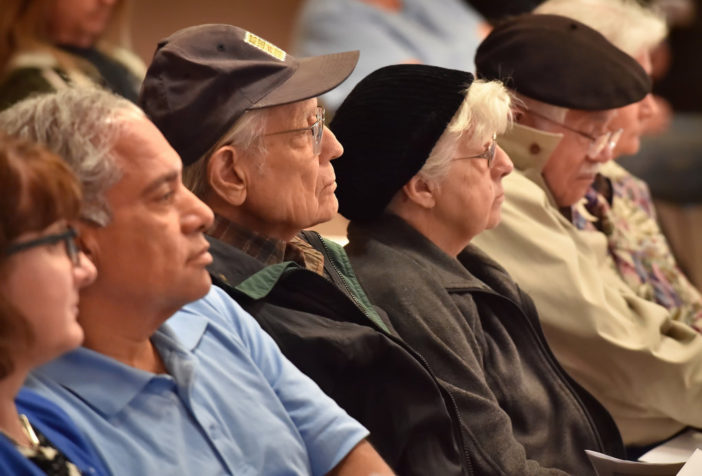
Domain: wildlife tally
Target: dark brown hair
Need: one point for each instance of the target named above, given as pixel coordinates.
(36, 189)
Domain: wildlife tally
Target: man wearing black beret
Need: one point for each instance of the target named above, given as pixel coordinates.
(644, 367)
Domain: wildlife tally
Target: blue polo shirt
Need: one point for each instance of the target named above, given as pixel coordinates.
(230, 404)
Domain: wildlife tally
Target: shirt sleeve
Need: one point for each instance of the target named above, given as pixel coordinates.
(328, 431)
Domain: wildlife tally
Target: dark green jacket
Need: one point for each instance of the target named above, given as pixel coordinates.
(521, 413)
(330, 331)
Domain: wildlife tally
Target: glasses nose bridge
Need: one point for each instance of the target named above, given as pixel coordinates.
(490, 153)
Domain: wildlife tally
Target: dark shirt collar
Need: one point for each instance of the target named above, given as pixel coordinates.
(266, 249)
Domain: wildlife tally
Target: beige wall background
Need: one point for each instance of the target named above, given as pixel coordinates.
(156, 19)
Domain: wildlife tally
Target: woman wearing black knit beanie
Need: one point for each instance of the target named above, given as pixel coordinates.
(421, 175)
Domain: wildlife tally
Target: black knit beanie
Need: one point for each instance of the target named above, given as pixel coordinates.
(388, 125)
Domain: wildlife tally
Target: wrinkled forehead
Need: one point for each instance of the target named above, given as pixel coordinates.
(291, 114)
(596, 119)
(142, 153)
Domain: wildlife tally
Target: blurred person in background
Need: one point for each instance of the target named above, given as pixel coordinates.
(670, 160)
(46, 45)
(440, 32)
(41, 272)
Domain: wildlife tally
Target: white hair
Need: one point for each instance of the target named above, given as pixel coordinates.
(554, 113)
(628, 25)
(486, 110)
(244, 135)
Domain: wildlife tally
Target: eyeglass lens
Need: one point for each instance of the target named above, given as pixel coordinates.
(608, 140)
(597, 144)
(488, 153)
(491, 152)
(318, 129)
(72, 248)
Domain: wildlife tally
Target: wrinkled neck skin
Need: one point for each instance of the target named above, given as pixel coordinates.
(121, 329)
(239, 216)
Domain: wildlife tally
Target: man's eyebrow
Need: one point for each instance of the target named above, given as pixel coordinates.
(308, 113)
(166, 178)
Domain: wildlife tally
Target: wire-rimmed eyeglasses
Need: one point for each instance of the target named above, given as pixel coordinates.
(488, 153)
(317, 130)
(68, 237)
(597, 144)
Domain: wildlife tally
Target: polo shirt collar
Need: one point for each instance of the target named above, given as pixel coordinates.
(185, 328)
(87, 373)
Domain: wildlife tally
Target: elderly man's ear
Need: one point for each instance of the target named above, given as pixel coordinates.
(228, 175)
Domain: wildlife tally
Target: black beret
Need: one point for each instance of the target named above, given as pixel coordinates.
(388, 126)
(560, 61)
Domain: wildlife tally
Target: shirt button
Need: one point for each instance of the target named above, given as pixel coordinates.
(534, 148)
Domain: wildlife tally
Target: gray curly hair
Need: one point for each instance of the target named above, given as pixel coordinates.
(81, 125)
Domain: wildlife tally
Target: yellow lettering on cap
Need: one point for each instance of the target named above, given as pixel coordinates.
(265, 46)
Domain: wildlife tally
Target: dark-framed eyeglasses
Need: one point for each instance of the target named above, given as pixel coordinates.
(317, 130)
(68, 237)
(597, 144)
(488, 153)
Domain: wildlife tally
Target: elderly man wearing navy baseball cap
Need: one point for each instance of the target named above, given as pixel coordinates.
(243, 115)
(645, 368)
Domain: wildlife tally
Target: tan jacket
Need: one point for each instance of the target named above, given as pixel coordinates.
(644, 367)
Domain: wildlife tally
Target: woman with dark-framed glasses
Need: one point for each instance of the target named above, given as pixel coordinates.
(41, 272)
(420, 177)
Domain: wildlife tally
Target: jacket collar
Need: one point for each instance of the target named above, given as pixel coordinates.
(236, 269)
(231, 265)
(529, 150)
(396, 233)
(266, 249)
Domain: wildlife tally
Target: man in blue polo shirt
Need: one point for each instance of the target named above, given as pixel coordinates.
(157, 387)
